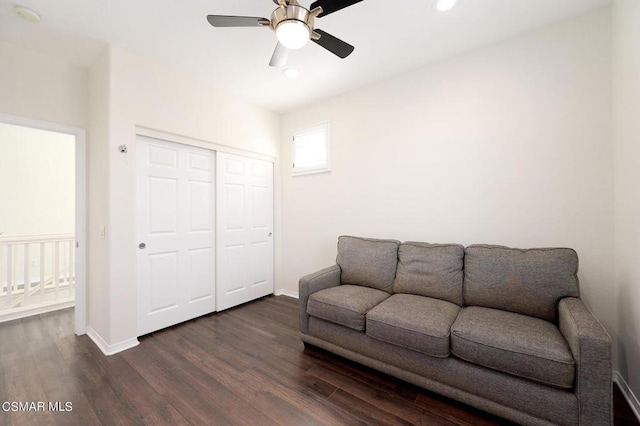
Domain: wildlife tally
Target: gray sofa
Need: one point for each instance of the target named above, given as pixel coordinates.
(501, 329)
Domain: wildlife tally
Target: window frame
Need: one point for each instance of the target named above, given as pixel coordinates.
(324, 168)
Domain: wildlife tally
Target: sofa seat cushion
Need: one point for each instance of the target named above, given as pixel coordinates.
(345, 304)
(414, 322)
(513, 343)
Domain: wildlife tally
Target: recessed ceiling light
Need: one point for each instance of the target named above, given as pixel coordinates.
(26, 14)
(444, 5)
(291, 73)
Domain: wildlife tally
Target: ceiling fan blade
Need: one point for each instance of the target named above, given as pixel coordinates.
(236, 21)
(330, 6)
(280, 56)
(333, 44)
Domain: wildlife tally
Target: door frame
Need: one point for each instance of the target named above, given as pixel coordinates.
(212, 146)
(80, 311)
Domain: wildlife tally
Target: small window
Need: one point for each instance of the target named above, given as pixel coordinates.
(310, 150)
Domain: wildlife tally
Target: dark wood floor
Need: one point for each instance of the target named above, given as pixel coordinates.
(246, 365)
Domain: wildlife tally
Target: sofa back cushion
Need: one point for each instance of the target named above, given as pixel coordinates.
(368, 262)
(529, 282)
(432, 270)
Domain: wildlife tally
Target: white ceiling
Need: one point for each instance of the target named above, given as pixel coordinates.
(390, 38)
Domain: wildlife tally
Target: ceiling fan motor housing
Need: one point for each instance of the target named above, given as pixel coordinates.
(295, 14)
(294, 27)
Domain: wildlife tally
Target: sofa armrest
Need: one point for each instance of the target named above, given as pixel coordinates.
(591, 348)
(309, 284)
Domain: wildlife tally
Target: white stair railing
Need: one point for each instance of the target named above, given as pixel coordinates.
(36, 274)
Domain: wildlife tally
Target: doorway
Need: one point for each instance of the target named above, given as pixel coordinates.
(42, 219)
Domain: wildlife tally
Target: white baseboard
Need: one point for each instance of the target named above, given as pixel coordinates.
(108, 349)
(628, 393)
(288, 293)
(28, 311)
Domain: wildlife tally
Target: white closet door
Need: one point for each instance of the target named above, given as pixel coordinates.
(244, 229)
(176, 235)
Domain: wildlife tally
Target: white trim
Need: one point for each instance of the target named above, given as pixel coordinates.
(632, 400)
(35, 310)
(22, 239)
(108, 349)
(81, 208)
(186, 140)
(285, 292)
(80, 314)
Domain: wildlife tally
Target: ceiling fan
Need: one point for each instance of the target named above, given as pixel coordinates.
(294, 27)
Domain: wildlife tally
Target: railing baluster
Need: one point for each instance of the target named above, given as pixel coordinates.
(64, 279)
(63, 263)
(9, 274)
(27, 276)
(2, 272)
(56, 269)
(42, 265)
(14, 268)
(72, 275)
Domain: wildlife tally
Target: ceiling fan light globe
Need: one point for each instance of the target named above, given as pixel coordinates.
(293, 34)
(444, 5)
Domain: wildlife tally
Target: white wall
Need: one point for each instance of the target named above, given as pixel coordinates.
(42, 88)
(37, 181)
(509, 144)
(142, 93)
(626, 126)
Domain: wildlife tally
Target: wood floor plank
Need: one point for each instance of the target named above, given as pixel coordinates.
(150, 406)
(369, 377)
(457, 413)
(160, 370)
(390, 402)
(256, 392)
(210, 389)
(220, 347)
(24, 386)
(261, 348)
(309, 404)
(97, 382)
(246, 365)
(365, 411)
(13, 340)
(61, 387)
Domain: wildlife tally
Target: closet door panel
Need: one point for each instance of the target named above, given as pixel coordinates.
(244, 229)
(176, 233)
